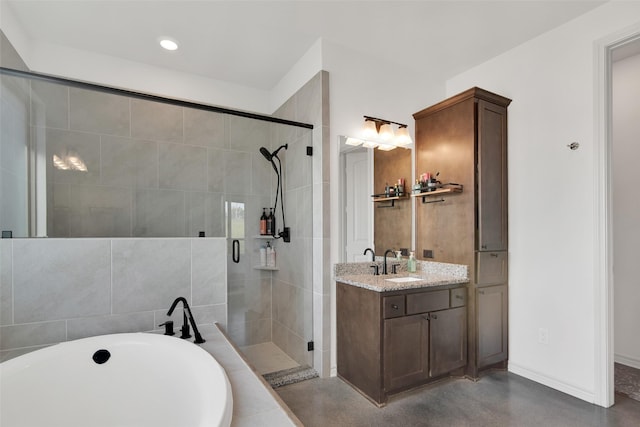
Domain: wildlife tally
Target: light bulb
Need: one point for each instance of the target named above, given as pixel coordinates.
(402, 136)
(369, 129)
(386, 132)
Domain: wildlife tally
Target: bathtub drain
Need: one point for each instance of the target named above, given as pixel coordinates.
(101, 356)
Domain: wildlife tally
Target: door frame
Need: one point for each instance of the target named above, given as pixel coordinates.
(603, 206)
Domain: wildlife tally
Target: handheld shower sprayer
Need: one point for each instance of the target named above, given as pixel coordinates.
(285, 233)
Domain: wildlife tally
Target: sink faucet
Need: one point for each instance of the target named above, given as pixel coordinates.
(384, 266)
(185, 327)
(373, 254)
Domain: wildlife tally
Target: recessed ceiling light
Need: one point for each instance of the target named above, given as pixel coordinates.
(168, 43)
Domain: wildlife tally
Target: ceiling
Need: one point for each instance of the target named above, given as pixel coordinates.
(255, 43)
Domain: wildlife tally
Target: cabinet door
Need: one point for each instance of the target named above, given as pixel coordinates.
(448, 340)
(492, 177)
(406, 351)
(493, 346)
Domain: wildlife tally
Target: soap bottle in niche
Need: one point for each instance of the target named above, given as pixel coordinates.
(263, 222)
(263, 256)
(273, 222)
(271, 256)
(269, 223)
(411, 263)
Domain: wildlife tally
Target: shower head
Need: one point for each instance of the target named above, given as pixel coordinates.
(269, 156)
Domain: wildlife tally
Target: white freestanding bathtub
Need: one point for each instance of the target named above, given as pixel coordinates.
(122, 380)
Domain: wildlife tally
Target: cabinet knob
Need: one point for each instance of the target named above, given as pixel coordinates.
(484, 246)
(494, 255)
(459, 297)
(394, 306)
(481, 292)
(434, 316)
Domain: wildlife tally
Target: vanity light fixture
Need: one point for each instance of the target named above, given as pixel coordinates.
(381, 131)
(168, 43)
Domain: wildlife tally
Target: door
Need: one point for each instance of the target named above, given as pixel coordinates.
(492, 325)
(448, 340)
(358, 206)
(406, 351)
(492, 177)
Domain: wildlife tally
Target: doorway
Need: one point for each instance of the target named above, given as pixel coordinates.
(604, 351)
(625, 104)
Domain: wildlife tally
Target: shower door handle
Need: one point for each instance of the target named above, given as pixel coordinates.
(235, 251)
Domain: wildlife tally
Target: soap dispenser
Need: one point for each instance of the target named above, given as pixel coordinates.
(411, 263)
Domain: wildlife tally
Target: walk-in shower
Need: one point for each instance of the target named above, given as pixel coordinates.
(157, 168)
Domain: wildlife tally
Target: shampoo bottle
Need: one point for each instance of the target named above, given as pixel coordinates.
(411, 263)
(263, 256)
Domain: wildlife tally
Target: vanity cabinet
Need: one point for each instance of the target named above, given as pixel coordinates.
(392, 341)
(465, 139)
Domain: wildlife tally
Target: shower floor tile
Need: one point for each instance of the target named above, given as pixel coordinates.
(268, 357)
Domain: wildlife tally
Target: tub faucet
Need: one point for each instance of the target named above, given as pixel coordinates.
(373, 254)
(384, 266)
(185, 327)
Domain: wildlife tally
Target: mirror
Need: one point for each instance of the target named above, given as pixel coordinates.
(381, 222)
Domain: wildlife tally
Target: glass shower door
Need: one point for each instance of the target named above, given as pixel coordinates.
(270, 307)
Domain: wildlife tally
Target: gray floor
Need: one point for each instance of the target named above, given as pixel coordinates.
(498, 399)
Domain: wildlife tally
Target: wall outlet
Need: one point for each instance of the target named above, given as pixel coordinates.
(543, 336)
(427, 253)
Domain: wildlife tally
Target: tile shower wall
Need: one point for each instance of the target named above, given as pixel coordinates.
(153, 169)
(53, 290)
(303, 282)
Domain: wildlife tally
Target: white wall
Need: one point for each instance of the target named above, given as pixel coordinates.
(551, 80)
(626, 208)
(56, 60)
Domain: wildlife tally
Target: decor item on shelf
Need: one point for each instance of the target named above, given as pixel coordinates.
(285, 234)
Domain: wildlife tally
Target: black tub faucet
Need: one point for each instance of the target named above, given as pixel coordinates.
(373, 254)
(185, 327)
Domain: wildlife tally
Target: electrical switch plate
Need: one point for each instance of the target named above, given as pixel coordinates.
(543, 336)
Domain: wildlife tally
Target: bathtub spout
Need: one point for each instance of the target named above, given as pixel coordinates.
(185, 327)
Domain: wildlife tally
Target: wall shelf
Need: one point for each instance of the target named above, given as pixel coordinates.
(264, 237)
(455, 188)
(388, 199)
(264, 267)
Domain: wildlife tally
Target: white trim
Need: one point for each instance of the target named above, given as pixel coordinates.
(552, 382)
(603, 235)
(627, 361)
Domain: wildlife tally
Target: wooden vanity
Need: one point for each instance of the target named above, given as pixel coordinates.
(394, 340)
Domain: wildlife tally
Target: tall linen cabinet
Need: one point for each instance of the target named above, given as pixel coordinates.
(464, 138)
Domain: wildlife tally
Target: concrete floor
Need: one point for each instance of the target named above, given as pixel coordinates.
(498, 399)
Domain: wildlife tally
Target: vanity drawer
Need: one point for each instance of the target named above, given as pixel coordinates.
(458, 297)
(393, 306)
(427, 301)
(491, 268)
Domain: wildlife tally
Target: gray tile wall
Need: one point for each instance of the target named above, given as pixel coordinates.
(303, 282)
(53, 290)
(153, 169)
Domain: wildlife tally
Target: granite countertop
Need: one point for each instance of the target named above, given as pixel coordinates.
(429, 274)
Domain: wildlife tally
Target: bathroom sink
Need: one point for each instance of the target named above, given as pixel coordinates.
(404, 279)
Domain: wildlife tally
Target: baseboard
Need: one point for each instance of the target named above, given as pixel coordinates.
(626, 360)
(552, 382)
